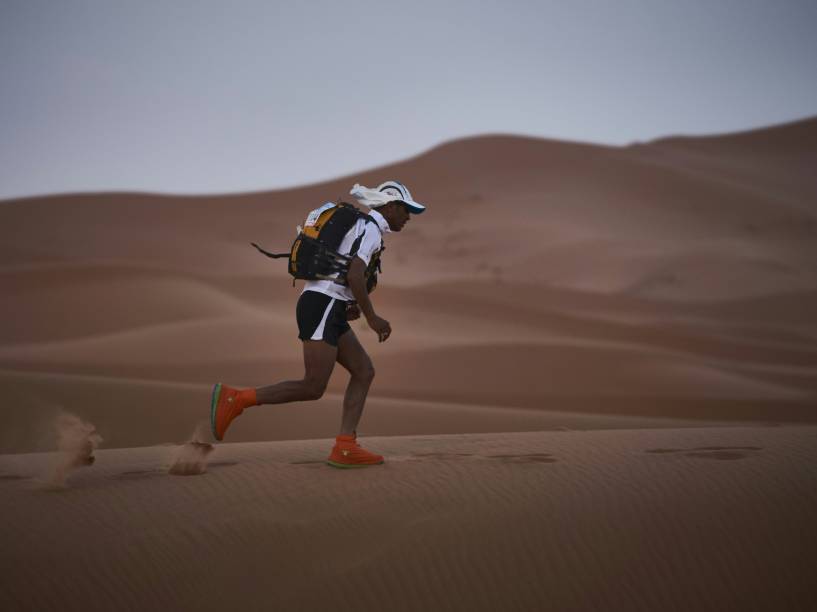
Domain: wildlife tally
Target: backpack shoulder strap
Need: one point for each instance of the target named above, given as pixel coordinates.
(359, 239)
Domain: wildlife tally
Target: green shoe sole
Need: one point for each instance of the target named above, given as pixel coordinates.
(213, 405)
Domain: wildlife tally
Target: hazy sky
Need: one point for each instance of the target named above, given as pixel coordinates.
(201, 96)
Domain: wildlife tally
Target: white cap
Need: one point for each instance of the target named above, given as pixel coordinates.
(390, 191)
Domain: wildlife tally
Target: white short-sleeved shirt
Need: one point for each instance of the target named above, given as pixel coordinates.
(369, 245)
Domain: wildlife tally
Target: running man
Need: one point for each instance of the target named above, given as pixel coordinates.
(323, 312)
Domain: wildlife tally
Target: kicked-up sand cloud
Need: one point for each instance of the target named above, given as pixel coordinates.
(76, 442)
(191, 458)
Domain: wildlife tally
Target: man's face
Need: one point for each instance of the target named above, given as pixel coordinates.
(397, 214)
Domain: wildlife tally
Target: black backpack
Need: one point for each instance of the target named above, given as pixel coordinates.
(314, 254)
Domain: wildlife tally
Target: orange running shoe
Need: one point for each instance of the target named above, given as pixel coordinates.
(347, 453)
(225, 405)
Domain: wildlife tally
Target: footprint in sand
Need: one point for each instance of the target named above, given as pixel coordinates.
(524, 458)
(309, 463)
(142, 474)
(439, 455)
(722, 453)
(529, 458)
(139, 474)
(214, 465)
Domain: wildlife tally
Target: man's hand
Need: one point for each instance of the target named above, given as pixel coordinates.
(380, 326)
(352, 312)
(355, 278)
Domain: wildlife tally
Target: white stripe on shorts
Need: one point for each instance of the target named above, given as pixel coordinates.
(318, 335)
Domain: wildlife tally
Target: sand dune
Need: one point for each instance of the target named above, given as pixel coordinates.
(499, 206)
(465, 343)
(682, 269)
(646, 314)
(687, 519)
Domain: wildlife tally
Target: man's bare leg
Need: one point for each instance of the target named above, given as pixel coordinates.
(319, 361)
(352, 356)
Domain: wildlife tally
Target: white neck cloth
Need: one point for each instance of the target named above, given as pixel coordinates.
(371, 197)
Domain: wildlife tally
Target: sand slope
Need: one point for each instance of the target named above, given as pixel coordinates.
(136, 412)
(672, 278)
(688, 519)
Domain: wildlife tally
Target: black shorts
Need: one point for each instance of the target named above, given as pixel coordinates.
(321, 317)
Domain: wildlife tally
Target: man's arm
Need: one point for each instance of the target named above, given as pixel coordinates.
(357, 283)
